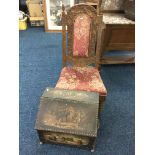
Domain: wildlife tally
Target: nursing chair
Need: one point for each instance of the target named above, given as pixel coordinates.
(81, 41)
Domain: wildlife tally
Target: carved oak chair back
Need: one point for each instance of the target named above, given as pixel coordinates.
(81, 35)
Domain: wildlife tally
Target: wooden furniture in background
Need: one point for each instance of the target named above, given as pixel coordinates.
(35, 9)
(118, 34)
(79, 44)
(112, 6)
(95, 3)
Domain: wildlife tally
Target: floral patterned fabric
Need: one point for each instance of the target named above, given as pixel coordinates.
(81, 35)
(81, 78)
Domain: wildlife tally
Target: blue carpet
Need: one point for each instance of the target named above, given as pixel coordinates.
(40, 65)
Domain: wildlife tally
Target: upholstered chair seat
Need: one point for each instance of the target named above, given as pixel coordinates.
(81, 78)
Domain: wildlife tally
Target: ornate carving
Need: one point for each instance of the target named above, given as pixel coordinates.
(68, 19)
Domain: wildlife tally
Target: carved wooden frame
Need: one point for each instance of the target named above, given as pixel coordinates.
(68, 32)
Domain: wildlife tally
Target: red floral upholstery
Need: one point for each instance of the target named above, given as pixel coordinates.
(81, 78)
(81, 35)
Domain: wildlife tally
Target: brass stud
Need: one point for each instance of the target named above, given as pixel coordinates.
(40, 143)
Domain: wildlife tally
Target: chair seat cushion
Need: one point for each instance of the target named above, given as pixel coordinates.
(81, 78)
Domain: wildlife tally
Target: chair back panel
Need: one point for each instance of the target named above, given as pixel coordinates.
(81, 35)
(79, 43)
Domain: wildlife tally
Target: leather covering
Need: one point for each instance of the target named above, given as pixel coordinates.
(66, 111)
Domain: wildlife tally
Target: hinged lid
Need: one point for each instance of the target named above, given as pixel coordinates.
(68, 111)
